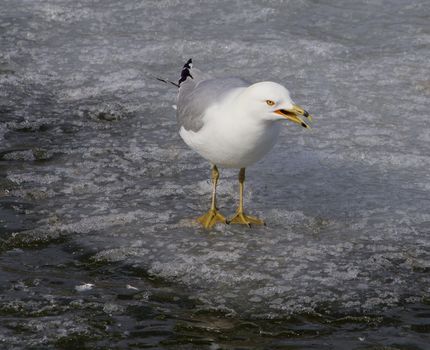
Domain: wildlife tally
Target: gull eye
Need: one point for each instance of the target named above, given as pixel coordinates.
(270, 102)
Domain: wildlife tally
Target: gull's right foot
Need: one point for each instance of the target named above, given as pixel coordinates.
(209, 219)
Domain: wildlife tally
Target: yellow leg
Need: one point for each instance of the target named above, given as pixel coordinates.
(240, 217)
(212, 216)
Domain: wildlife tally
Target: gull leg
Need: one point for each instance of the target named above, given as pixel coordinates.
(240, 217)
(212, 216)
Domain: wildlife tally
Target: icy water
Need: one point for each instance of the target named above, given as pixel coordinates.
(98, 248)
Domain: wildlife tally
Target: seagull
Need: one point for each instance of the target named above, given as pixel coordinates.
(232, 124)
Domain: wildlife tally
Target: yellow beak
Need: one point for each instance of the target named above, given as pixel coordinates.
(294, 113)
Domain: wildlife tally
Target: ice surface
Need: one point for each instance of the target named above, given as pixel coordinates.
(347, 204)
(84, 287)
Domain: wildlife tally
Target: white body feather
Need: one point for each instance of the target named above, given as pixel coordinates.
(231, 137)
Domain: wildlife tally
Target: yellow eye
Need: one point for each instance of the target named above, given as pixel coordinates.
(270, 102)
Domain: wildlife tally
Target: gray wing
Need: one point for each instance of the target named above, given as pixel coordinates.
(197, 94)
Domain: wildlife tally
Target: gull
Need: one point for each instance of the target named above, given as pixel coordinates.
(232, 124)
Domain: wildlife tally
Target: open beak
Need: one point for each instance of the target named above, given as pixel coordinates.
(294, 114)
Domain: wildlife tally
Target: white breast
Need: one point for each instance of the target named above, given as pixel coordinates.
(232, 141)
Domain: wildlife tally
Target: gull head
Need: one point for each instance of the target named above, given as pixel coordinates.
(269, 101)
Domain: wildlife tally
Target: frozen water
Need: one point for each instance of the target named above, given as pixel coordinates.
(84, 287)
(89, 139)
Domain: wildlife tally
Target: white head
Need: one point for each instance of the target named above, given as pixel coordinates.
(270, 101)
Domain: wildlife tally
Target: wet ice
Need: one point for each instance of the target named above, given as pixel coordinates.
(347, 204)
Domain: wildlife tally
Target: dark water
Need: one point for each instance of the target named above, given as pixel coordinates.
(127, 308)
(98, 248)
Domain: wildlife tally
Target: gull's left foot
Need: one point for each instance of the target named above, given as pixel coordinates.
(242, 219)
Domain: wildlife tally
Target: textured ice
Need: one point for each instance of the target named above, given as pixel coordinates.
(84, 287)
(346, 204)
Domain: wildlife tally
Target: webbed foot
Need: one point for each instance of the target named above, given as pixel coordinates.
(209, 219)
(243, 219)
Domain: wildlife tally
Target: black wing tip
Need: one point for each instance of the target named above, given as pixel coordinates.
(186, 71)
(167, 81)
(189, 63)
